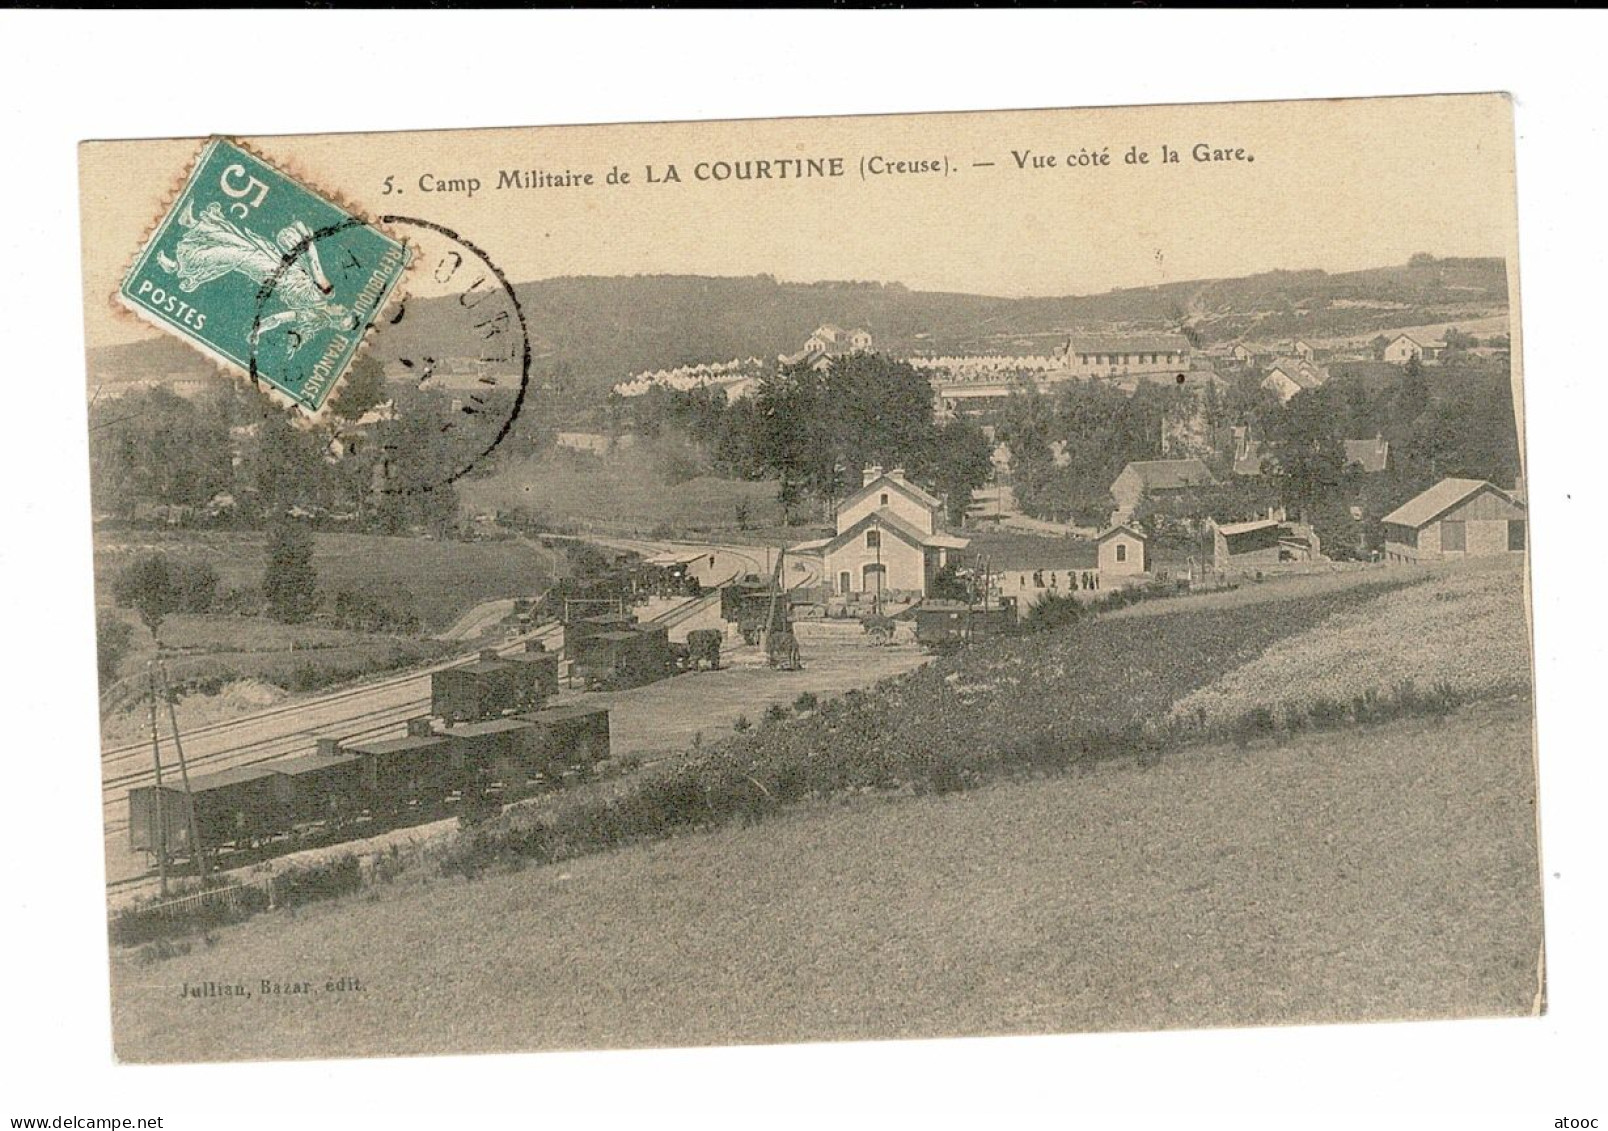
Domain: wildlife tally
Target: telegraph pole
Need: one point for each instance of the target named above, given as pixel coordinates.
(161, 796)
(196, 850)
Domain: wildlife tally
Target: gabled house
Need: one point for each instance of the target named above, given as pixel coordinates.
(1373, 456)
(1290, 375)
(1248, 453)
(889, 541)
(1156, 478)
(1261, 541)
(828, 342)
(1404, 347)
(1121, 551)
(1456, 518)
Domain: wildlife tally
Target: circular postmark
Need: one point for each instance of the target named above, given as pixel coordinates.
(450, 364)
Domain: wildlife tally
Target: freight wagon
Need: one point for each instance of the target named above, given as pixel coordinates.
(619, 659)
(426, 771)
(943, 624)
(237, 807)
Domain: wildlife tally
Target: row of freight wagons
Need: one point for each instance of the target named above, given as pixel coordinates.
(491, 758)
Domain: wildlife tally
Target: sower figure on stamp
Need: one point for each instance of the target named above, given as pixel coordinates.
(213, 246)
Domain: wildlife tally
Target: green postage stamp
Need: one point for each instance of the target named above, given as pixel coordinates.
(264, 275)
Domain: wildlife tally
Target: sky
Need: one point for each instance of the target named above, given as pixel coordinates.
(1336, 185)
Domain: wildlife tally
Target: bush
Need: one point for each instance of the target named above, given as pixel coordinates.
(157, 922)
(742, 724)
(775, 713)
(1054, 610)
(113, 639)
(374, 610)
(197, 585)
(806, 702)
(312, 882)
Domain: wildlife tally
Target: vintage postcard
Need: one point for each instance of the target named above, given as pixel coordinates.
(796, 580)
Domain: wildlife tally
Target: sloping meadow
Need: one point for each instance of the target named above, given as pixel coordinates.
(1113, 687)
(1461, 634)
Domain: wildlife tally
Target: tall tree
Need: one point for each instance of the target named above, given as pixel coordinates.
(964, 462)
(289, 583)
(149, 585)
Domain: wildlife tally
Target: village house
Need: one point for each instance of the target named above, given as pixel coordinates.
(889, 542)
(1265, 541)
(1156, 478)
(1248, 453)
(1121, 551)
(1243, 354)
(1302, 349)
(1456, 518)
(1290, 375)
(1373, 456)
(1404, 347)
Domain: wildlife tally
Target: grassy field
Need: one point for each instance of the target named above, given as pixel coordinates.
(1376, 875)
(443, 579)
(629, 493)
(1464, 629)
(1009, 839)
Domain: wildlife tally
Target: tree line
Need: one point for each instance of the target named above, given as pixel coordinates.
(813, 428)
(1454, 419)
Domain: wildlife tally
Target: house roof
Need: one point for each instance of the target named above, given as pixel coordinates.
(1171, 474)
(1121, 528)
(887, 521)
(1146, 343)
(901, 484)
(1423, 341)
(1251, 462)
(675, 558)
(1230, 529)
(1302, 373)
(1425, 508)
(1371, 454)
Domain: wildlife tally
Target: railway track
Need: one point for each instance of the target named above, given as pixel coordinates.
(116, 780)
(385, 721)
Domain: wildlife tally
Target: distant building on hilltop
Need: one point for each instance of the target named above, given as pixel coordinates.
(1456, 518)
(829, 342)
(1089, 355)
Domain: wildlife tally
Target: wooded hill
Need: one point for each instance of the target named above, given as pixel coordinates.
(591, 332)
